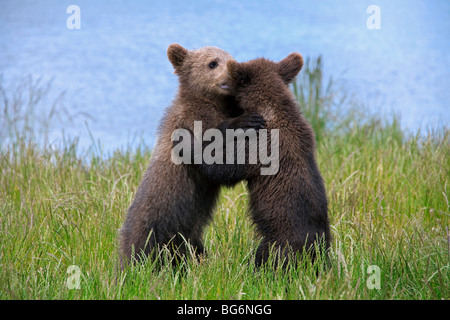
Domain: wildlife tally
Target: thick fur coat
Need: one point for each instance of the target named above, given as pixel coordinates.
(289, 208)
(174, 202)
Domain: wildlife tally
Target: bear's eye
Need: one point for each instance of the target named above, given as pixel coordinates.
(213, 64)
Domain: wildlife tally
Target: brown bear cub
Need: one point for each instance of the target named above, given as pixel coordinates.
(288, 207)
(174, 202)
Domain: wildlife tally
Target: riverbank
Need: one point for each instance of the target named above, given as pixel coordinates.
(388, 205)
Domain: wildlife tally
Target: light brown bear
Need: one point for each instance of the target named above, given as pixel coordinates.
(174, 202)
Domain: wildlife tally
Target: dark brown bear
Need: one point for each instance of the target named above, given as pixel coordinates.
(174, 202)
(289, 208)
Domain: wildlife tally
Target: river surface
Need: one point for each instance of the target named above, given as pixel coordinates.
(115, 67)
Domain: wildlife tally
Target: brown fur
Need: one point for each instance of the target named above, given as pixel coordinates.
(174, 202)
(290, 207)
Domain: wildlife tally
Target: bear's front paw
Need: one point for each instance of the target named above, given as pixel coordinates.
(249, 121)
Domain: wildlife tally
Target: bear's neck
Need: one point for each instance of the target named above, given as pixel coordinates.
(223, 103)
(276, 96)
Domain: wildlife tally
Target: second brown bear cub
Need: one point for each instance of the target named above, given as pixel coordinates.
(289, 207)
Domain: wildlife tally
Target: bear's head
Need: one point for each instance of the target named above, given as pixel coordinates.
(202, 71)
(263, 75)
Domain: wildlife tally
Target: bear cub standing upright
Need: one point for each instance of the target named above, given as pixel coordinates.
(289, 208)
(173, 202)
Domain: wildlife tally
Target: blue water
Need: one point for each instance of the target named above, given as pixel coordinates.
(115, 67)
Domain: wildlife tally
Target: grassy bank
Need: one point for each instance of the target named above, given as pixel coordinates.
(389, 211)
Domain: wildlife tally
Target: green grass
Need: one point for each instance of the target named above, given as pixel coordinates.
(388, 194)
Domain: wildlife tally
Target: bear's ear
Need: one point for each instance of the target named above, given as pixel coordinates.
(237, 72)
(290, 66)
(176, 55)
